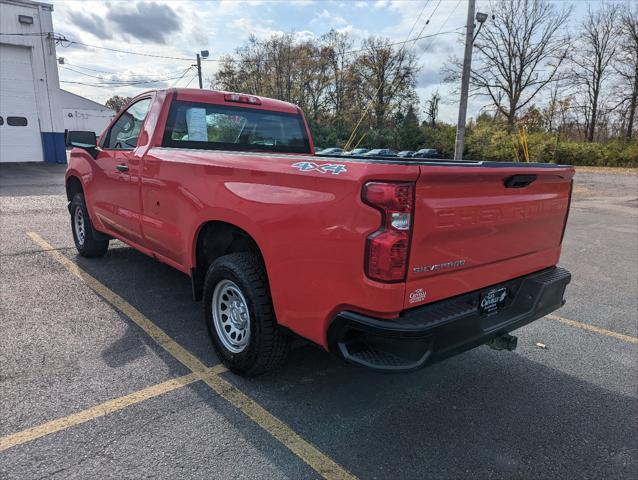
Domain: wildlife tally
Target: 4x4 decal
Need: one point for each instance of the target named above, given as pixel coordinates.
(334, 168)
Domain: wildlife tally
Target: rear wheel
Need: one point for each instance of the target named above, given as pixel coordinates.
(86, 239)
(239, 315)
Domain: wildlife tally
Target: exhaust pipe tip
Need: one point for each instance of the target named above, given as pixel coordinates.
(504, 342)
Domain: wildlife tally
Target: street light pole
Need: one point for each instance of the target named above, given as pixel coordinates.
(199, 71)
(465, 81)
(198, 65)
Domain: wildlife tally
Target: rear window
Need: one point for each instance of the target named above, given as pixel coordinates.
(221, 127)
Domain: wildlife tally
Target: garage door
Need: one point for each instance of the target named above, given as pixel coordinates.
(19, 128)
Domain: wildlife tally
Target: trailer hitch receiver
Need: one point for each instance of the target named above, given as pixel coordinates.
(504, 342)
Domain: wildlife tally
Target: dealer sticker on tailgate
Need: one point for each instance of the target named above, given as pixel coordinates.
(493, 300)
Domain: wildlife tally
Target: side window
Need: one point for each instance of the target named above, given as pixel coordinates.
(125, 131)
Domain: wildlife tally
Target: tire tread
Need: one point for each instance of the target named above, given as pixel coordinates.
(271, 348)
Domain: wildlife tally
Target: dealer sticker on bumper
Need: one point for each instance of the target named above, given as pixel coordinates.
(491, 301)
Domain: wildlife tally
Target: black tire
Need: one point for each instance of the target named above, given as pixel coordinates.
(88, 241)
(267, 345)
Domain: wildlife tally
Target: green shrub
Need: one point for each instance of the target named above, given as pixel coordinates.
(492, 142)
(487, 139)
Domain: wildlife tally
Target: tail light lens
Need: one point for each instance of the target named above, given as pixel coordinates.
(387, 249)
(240, 98)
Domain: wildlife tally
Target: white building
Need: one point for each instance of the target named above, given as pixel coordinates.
(31, 126)
(80, 113)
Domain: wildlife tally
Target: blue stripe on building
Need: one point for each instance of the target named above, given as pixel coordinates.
(53, 148)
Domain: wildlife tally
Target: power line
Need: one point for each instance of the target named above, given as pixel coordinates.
(170, 76)
(131, 82)
(177, 72)
(415, 39)
(182, 76)
(38, 34)
(106, 85)
(122, 84)
(226, 58)
(428, 22)
(189, 82)
(446, 20)
(130, 52)
(405, 42)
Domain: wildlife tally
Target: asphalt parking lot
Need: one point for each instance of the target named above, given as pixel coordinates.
(105, 371)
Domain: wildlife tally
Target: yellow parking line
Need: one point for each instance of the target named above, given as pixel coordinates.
(322, 464)
(592, 328)
(100, 410)
(163, 340)
(307, 452)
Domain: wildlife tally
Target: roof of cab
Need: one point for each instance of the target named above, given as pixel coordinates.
(217, 97)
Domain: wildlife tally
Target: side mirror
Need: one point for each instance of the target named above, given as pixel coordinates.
(86, 140)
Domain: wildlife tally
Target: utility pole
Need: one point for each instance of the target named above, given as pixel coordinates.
(199, 71)
(204, 54)
(465, 81)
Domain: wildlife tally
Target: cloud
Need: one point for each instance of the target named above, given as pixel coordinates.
(149, 22)
(358, 35)
(428, 76)
(443, 45)
(145, 21)
(328, 19)
(91, 23)
(260, 29)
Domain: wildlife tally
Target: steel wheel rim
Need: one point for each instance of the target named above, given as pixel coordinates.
(78, 225)
(230, 316)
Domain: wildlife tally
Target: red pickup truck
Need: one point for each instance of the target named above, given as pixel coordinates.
(388, 263)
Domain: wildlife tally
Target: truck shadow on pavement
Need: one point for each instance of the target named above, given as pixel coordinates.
(481, 414)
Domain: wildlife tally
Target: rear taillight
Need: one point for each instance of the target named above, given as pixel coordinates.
(387, 249)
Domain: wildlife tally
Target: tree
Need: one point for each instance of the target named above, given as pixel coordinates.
(592, 61)
(387, 77)
(335, 88)
(517, 53)
(116, 102)
(627, 67)
(343, 89)
(432, 108)
(410, 134)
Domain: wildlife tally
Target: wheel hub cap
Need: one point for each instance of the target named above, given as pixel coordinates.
(78, 223)
(231, 318)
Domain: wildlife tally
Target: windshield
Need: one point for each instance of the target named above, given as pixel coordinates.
(221, 127)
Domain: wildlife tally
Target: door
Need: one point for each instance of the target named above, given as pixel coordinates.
(114, 195)
(19, 127)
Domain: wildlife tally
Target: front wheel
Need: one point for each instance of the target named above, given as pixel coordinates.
(86, 239)
(239, 315)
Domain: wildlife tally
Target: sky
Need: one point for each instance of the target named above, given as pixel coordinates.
(180, 29)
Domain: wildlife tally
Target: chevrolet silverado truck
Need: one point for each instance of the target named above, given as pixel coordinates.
(388, 263)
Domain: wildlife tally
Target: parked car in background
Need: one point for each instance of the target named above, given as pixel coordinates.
(427, 153)
(381, 152)
(356, 151)
(405, 153)
(330, 151)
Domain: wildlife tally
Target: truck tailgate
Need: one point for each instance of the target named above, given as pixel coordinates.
(479, 226)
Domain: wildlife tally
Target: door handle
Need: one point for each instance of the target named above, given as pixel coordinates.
(519, 181)
(122, 168)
